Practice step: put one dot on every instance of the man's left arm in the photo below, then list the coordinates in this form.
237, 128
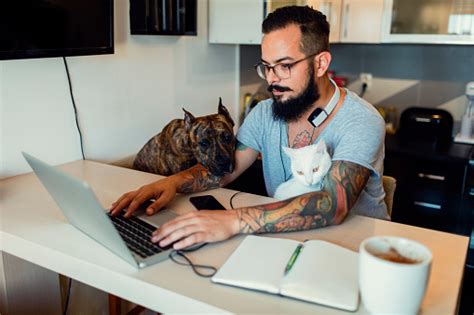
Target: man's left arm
342, 187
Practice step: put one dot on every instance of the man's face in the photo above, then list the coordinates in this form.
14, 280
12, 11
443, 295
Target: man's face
292, 96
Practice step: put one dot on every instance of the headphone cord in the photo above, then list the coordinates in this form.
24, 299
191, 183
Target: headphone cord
188, 262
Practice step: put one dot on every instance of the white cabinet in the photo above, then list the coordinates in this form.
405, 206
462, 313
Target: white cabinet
333, 11
235, 21
429, 21
240, 21
361, 21
352, 21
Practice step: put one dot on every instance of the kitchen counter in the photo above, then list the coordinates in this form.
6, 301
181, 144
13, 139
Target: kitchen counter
453, 152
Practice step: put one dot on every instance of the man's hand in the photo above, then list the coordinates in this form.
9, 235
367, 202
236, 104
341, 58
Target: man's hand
163, 191
198, 227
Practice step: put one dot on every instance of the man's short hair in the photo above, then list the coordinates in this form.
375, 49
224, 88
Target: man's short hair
313, 26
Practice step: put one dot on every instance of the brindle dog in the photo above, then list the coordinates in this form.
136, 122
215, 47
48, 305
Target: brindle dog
182, 143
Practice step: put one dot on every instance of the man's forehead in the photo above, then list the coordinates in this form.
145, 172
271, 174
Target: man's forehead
281, 44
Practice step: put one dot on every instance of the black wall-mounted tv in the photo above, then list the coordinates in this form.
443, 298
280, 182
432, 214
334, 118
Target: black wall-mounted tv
55, 28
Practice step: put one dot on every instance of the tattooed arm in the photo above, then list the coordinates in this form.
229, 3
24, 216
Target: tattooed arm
198, 178
194, 179
342, 187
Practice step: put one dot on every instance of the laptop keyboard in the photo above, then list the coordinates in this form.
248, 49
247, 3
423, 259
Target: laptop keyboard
136, 234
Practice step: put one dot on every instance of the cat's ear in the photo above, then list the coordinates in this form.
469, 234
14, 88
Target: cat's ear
321, 147
288, 151
188, 119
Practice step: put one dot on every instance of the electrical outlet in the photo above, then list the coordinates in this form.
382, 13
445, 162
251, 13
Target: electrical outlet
367, 79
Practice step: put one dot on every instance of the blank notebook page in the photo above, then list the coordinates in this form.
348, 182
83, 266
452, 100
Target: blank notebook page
324, 273
258, 263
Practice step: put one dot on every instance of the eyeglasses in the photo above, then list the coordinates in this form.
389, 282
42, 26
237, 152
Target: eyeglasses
281, 70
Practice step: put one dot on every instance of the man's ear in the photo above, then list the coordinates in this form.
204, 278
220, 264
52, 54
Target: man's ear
188, 120
322, 62
222, 110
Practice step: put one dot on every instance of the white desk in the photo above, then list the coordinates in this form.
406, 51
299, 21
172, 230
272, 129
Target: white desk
34, 229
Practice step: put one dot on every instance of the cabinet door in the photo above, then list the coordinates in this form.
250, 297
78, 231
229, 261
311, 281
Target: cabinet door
429, 193
235, 21
332, 9
240, 21
429, 21
362, 21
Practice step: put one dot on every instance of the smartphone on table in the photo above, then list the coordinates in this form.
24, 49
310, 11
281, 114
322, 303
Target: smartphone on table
206, 202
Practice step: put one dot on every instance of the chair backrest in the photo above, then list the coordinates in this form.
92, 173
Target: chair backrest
389, 185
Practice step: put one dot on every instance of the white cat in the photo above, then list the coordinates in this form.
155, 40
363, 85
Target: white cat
309, 165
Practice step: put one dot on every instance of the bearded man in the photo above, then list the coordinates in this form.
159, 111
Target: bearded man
306, 106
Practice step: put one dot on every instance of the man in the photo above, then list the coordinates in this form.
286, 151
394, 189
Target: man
295, 60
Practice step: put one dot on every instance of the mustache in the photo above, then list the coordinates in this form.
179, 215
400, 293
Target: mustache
278, 88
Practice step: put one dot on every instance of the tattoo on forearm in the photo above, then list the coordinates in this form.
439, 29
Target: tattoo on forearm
342, 187
198, 178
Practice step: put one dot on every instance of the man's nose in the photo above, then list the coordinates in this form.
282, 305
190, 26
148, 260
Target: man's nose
272, 77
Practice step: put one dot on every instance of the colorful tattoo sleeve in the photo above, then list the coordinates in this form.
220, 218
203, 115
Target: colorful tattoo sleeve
342, 187
198, 178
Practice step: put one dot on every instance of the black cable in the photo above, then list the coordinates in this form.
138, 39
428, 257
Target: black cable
364, 89
188, 262
66, 304
75, 109
232, 198
194, 266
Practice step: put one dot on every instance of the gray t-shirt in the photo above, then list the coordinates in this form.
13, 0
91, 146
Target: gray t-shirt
355, 134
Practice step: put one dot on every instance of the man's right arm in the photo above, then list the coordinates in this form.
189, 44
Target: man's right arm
195, 179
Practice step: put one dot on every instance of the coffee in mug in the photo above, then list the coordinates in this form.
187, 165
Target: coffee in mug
393, 274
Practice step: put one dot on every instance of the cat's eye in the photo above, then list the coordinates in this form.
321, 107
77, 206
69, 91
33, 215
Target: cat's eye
315, 169
299, 172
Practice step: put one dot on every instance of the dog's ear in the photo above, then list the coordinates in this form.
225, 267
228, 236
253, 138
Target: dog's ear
223, 111
188, 119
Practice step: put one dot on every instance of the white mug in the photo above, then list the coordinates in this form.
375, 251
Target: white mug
389, 287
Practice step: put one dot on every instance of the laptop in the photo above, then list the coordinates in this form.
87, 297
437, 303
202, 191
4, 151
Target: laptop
127, 238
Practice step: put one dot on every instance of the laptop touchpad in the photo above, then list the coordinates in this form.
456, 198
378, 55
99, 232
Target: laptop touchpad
162, 216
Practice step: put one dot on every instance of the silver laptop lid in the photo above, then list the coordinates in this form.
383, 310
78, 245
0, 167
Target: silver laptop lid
80, 206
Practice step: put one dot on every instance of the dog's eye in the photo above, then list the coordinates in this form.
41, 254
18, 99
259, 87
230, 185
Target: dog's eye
204, 143
226, 138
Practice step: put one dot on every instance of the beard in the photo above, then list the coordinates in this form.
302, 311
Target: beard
293, 108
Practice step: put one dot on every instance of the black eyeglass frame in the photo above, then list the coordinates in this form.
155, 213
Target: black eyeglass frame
261, 73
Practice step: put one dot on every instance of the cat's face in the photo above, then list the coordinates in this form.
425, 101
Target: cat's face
309, 164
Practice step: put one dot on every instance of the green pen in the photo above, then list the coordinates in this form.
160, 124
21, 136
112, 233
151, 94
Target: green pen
293, 257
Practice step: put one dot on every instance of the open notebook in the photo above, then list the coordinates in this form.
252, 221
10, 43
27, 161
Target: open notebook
322, 273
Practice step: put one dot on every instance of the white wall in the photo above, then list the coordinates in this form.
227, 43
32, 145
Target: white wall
122, 99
